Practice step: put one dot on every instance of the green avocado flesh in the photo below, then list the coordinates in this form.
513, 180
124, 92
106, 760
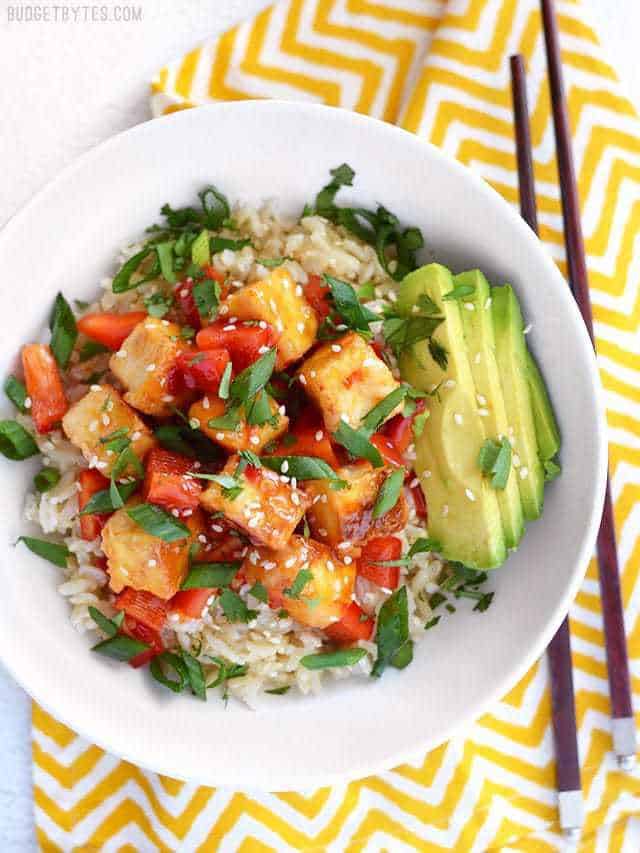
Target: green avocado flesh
547, 431
477, 321
464, 513
512, 360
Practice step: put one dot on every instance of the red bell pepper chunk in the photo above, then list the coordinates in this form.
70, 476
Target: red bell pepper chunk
317, 293
90, 482
203, 370
44, 386
419, 501
191, 602
353, 626
387, 449
144, 607
399, 429
242, 341
311, 439
110, 330
139, 631
165, 482
376, 551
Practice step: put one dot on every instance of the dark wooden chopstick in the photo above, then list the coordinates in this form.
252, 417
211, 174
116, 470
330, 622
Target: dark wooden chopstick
563, 712
623, 723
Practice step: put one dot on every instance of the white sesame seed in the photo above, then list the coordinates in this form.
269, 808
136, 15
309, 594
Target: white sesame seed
319, 435
300, 327
285, 466
224, 309
262, 324
450, 383
289, 563
254, 439
295, 499
478, 358
194, 423
168, 398
312, 374
217, 528
527, 329
164, 322
488, 302
322, 531
254, 557
458, 418
426, 474
175, 513
481, 399
414, 483
219, 436
282, 411
268, 565
122, 353
202, 538
152, 563
184, 292
205, 403
445, 510
298, 290
294, 483
516, 460
344, 417
253, 522
369, 362
150, 367
93, 426
106, 420
27, 402
524, 472
470, 494
303, 379
484, 413
469, 306
263, 349
95, 388
336, 347
347, 560
101, 465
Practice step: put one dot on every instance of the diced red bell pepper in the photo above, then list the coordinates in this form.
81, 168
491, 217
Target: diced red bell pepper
400, 429
110, 330
139, 631
165, 482
376, 551
203, 370
190, 602
44, 386
317, 293
419, 502
147, 609
242, 340
311, 439
90, 482
387, 449
353, 626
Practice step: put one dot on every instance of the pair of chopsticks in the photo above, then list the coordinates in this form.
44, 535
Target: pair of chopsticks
570, 802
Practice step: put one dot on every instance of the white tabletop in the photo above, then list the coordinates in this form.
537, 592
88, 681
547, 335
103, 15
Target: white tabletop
67, 87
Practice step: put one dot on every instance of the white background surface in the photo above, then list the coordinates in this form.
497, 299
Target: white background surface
65, 88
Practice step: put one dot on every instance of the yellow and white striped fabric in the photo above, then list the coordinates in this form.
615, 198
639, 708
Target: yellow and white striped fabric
441, 70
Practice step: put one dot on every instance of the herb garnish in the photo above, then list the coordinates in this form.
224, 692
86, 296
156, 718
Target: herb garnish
303, 577
327, 660
51, 551
357, 442
120, 647
64, 331
209, 575
234, 608
109, 626
376, 416
91, 349
16, 392
353, 314
253, 378
15, 442
392, 632
157, 522
303, 468
389, 493
460, 291
46, 479
206, 295
495, 458
551, 470
158, 304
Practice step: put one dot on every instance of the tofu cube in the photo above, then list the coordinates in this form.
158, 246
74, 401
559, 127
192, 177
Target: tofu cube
346, 379
99, 414
280, 302
244, 436
266, 509
144, 363
137, 559
322, 599
345, 515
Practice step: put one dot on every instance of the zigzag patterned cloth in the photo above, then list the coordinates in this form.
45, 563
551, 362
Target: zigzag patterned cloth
441, 70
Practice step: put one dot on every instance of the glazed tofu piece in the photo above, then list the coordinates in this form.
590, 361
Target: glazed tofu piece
346, 379
266, 509
345, 515
137, 559
280, 302
244, 436
328, 588
99, 414
143, 365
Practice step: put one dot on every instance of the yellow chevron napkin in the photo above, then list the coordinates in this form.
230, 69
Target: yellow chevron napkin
441, 70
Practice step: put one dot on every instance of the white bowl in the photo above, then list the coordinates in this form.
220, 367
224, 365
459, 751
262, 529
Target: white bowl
66, 239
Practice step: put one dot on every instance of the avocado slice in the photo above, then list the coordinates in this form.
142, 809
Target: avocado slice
464, 516
547, 431
511, 356
477, 321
